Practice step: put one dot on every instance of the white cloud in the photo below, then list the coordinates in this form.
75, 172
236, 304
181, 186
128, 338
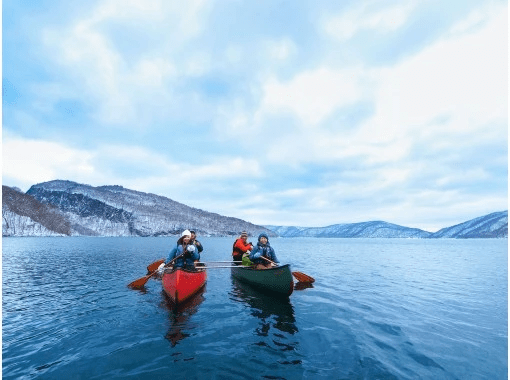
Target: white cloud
279, 49
153, 72
312, 95
123, 88
476, 18
127, 9
451, 92
234, 54
29, 161
197, 64
366, 16
459, 77
95, 67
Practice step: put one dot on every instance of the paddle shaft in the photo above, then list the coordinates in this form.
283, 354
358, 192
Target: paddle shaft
175, 258
272, 262
143, 280
301, 277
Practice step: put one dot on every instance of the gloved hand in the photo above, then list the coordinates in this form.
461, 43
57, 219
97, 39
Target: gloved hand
191, 248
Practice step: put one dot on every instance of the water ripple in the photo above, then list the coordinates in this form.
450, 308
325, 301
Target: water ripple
380, 308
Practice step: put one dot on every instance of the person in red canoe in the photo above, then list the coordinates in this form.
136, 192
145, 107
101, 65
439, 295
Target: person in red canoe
241, 247
195, 242
263, 249
188, 251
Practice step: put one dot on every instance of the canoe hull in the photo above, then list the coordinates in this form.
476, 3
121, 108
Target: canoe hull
276, 281
181, 284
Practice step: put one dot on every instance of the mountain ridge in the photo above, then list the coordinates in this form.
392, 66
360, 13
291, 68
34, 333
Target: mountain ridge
112, 210
352, 230
493, 225
117, 211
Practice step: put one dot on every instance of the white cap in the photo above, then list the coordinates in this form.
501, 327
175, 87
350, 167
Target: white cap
186, 233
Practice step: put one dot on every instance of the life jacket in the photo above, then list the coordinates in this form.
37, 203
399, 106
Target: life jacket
236, 251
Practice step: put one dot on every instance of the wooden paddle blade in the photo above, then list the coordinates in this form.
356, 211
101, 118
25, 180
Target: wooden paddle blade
140, 282
301, 277
152, 267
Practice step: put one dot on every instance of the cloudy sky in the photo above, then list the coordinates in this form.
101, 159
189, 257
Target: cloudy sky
277, 112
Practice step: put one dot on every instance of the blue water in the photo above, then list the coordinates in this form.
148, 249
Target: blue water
379, 309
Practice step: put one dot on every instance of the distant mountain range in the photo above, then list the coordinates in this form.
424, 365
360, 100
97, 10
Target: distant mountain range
494, 225
352, 230
65, 208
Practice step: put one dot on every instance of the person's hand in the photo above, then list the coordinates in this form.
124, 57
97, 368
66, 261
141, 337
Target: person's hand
190, 248
161, 266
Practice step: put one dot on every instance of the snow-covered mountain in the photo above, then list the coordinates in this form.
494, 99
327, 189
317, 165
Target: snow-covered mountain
23, 215
376, 229
68, 208
494, 225
116, 211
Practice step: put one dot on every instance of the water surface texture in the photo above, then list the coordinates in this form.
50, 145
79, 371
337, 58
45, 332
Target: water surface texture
379, 309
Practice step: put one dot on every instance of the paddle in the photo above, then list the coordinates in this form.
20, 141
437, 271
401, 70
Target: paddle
155, 265
142, 281
301, 277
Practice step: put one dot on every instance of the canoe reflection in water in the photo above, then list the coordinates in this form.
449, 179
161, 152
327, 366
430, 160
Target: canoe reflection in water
180, 326
268, 309
302, 285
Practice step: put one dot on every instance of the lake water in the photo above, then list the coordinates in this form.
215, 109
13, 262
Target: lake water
379, 309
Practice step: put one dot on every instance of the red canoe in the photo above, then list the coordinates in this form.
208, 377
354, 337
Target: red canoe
180, 284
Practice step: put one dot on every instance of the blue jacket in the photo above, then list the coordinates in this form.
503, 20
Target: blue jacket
188, 259
263, 250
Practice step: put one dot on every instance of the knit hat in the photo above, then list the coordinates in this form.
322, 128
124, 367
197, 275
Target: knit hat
263, 234
186, 233
244, 233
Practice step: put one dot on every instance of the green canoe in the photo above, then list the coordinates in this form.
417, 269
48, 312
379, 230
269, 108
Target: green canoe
277, 281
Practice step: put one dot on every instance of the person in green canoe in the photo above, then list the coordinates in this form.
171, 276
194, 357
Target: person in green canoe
263, 255
241, 249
